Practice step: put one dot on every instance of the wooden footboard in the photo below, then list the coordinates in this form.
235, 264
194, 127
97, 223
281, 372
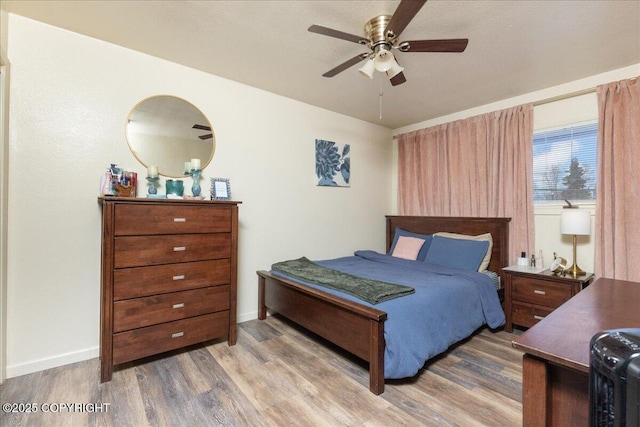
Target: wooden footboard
357, 328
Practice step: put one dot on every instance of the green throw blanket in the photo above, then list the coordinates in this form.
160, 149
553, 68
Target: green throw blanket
369, 290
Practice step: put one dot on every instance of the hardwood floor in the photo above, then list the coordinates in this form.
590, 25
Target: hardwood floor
277, 374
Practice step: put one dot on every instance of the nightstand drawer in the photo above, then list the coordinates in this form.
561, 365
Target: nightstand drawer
528, 315
540, 292
531, 294
141, 312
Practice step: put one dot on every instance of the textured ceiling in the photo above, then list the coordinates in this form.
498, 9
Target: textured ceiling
515, 47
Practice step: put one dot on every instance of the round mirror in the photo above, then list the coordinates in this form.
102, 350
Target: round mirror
166, 132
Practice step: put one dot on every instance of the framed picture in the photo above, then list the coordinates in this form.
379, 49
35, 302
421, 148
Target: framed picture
220, 189
333, 164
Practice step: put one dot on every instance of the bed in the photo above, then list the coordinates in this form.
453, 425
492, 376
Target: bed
358, 327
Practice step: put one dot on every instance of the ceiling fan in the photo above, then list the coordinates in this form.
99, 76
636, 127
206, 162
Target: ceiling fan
203, 127
382, 34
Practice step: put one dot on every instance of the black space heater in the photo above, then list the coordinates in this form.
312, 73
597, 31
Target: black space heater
614, 379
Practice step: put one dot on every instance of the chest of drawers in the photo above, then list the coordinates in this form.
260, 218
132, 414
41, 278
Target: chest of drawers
169, 271
530, 297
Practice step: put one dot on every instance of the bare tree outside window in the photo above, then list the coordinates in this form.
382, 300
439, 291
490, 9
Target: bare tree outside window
551, 182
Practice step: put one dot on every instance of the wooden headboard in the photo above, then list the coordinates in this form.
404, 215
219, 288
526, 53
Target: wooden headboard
498, 227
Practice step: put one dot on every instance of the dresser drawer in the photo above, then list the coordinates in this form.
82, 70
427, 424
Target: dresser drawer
541, 292
138, 251
528, 315
143, 342
147, 311
159, 279
145, 219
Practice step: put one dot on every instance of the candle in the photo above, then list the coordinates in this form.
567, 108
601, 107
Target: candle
195, 164
152, 171
187, 166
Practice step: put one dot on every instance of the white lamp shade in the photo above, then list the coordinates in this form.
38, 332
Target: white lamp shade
384, 60
394, 70
368, 68
575, 221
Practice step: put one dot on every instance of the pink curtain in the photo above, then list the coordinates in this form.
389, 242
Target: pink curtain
617, 248
477, 167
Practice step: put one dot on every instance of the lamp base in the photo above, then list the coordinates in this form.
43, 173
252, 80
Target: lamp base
575, 271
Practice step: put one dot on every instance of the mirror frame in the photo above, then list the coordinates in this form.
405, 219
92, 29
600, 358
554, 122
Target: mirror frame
168, 118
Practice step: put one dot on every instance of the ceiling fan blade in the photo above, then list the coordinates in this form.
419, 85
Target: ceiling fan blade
205, 137
201, 127
347, 64
446, 45
398, 79
405, 12
337, 34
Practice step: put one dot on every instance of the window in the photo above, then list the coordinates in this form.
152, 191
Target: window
564, 163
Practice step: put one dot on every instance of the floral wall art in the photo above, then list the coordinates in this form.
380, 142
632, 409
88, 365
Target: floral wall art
333, 164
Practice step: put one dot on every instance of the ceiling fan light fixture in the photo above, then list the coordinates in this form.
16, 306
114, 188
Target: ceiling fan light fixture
384, 60
394, 70
368, 68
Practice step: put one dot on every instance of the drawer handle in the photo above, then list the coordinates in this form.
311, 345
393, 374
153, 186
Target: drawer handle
179, 248
539, 292
535, 316
177, 335
181, 305
180, 277
179, 219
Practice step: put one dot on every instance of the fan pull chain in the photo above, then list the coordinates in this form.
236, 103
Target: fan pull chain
380, 93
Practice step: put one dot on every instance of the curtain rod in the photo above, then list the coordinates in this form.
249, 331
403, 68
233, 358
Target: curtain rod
564, 96
569, 95
560, 97
555, 98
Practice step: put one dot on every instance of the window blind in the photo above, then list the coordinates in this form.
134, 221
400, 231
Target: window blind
564, 163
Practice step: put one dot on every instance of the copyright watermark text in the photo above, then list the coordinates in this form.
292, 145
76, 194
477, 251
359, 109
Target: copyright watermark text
56, 407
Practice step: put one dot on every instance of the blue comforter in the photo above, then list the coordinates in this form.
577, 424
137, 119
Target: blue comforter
448, 306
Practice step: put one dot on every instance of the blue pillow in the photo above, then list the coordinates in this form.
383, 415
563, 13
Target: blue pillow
423, 250
457, 253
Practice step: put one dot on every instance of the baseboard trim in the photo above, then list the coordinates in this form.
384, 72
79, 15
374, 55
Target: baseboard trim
77, 356
51, 362
248, 316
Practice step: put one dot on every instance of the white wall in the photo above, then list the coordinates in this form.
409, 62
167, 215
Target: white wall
4, 161
70, 97
572, 110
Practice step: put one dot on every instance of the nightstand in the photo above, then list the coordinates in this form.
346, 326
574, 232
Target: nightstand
531, 294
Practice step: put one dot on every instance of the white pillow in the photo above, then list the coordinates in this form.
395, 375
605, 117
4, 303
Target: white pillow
407, 247
482, 237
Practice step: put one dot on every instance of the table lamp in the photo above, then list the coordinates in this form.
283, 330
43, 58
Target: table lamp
575, 222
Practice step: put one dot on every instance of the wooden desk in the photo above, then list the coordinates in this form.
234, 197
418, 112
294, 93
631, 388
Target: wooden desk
555, 366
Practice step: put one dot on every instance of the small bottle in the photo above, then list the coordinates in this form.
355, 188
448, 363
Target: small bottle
103, 180
540, 259
105, 183
533, 260
523, 261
